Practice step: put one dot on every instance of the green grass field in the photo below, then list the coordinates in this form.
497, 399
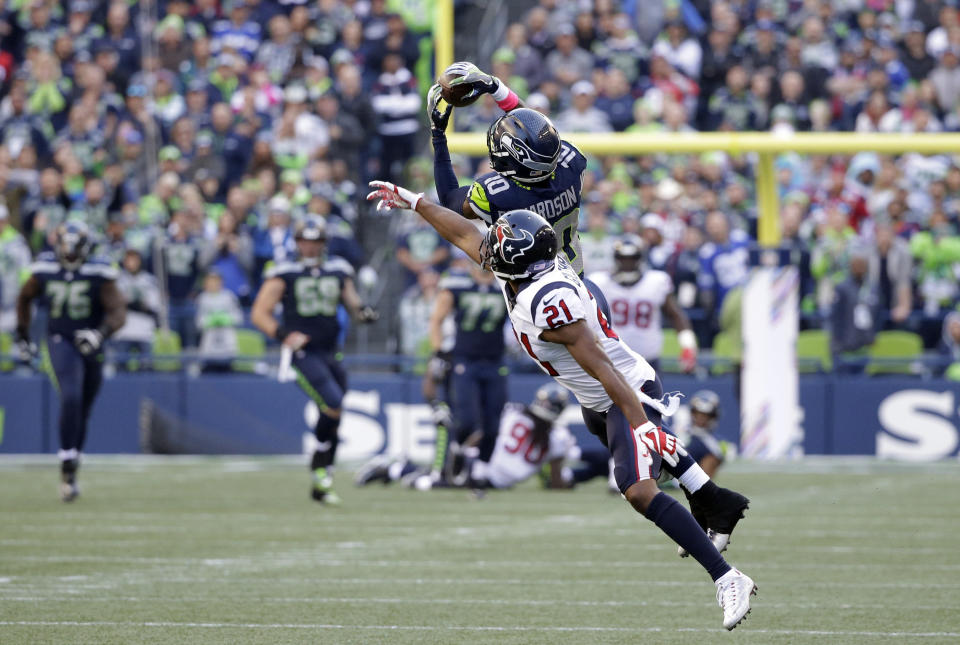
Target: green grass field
232, 551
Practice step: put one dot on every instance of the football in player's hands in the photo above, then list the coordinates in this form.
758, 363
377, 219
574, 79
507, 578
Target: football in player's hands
463, 83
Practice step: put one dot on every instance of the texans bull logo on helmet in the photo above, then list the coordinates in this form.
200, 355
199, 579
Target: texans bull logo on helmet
512, 247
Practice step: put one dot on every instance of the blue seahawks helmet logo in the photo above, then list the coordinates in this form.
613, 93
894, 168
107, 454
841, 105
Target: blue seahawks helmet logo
512, 248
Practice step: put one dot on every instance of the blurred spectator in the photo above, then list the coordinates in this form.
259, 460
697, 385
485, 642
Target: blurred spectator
396, 100
891, 268
616, 101
181, 254
421, 248
230, 255
680, 49
413, 313
274, 241
937, 252
950, 342
142, 295
14, 260
238, 33
218, 316
723, 260
582, 115
568, 63
855, 310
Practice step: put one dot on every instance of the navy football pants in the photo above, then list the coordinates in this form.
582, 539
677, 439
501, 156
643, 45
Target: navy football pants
479, 394
77, 378
632, 461
322, 377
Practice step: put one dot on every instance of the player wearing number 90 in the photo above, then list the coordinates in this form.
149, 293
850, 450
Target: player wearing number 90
85, 307
559, 324
310, 290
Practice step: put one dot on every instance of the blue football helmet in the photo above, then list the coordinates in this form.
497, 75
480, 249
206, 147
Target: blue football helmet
73, 244
523, 145
313, 228
706, 402
518, 245
549, 402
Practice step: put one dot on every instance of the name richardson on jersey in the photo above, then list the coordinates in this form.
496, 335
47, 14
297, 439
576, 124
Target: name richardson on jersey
559, 206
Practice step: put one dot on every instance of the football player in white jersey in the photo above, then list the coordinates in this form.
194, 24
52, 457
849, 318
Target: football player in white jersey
637, 298
529, 437
558, 323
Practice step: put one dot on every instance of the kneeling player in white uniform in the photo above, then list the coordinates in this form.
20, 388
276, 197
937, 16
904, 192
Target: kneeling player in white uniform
529, 437
557, 321
637, 298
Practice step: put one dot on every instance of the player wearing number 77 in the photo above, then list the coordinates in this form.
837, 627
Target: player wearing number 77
559, 324
311, 289
84, 308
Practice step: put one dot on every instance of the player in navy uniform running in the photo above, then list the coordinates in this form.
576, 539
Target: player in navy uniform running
533, 168
479, 377
84, 308
559, 324
310, 290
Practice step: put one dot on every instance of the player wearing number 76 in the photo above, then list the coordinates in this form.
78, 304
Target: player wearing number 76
558, 323
311, 289
84, 308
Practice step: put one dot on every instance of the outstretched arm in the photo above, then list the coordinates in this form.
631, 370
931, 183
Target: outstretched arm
448, 224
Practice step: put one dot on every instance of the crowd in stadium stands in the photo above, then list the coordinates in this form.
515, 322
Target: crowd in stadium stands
196, 138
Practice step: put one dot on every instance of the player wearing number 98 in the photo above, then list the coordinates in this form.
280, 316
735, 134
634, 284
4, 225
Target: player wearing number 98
84, 308
311, 289
479, 377
559, 324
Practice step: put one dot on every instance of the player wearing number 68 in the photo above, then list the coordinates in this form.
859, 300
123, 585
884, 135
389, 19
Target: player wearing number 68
558, 323
311, 289
84, 307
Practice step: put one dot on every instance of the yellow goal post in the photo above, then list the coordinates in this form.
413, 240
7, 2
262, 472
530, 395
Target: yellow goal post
766, 146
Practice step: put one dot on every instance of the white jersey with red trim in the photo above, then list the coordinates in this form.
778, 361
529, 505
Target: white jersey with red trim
556, 298
516, 456
635, 310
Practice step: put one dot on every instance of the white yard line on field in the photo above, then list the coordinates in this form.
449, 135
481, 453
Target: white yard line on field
463, 628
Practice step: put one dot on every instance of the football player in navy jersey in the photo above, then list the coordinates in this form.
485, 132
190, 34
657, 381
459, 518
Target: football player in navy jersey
533, 168
479, 377
84, 308
310, 290
558, 322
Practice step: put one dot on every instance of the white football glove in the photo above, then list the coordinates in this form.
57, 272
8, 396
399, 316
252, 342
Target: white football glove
393, 196
658, 441
88, 341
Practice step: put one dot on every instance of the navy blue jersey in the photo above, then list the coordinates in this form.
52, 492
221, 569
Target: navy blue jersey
72, 298
479, 312
311, 298
556, 199
702, 443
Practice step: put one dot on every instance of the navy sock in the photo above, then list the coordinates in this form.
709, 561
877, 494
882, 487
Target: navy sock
674, 520
326, 433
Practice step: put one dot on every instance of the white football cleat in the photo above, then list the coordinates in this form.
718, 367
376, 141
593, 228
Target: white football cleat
733, 593
720, 541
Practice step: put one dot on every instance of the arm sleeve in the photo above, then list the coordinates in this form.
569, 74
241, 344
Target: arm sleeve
443, 175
